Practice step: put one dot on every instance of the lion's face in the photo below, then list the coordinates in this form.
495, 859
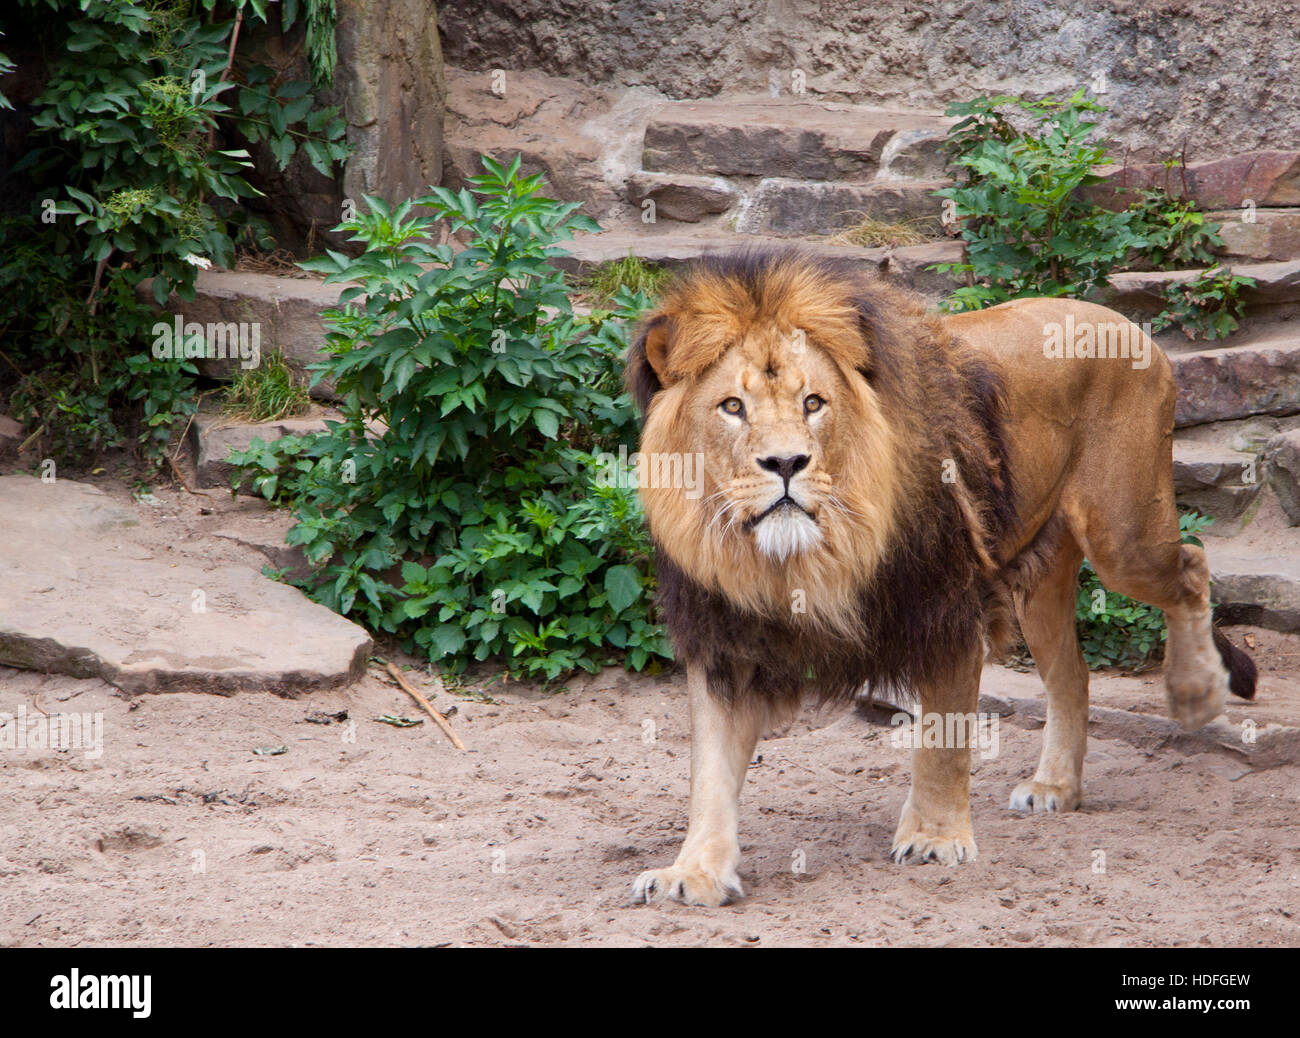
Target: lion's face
769, 436
766, 383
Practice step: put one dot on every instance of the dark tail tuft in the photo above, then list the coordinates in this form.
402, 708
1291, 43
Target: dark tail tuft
1241, 668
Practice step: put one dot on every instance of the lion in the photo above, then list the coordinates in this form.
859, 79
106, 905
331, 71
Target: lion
884, 489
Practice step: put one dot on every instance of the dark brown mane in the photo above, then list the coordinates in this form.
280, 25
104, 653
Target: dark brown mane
942, 586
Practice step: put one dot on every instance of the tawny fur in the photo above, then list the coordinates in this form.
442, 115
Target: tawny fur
883, 441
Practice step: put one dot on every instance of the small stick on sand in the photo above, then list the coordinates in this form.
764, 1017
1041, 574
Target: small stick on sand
180, 476
410, 690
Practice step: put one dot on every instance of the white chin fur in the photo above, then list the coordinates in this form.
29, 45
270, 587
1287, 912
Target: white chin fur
787, 532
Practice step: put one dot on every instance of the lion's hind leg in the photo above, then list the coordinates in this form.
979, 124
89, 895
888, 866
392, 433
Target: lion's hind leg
1200, 666
1046, 613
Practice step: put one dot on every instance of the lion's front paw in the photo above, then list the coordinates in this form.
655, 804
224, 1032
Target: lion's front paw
690, 884
916, 841
1044, 796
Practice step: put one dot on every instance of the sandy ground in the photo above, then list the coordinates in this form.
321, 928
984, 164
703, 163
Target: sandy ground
366, 834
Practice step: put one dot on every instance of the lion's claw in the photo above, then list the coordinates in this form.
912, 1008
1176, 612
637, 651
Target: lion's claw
691, 885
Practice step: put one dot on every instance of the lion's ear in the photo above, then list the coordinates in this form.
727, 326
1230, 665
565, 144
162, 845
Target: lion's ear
655, 338
647, 362
871, 331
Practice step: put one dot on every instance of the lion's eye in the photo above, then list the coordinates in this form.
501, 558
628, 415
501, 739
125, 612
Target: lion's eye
812, 404
733, 406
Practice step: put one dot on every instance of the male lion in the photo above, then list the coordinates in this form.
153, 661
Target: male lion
880, 486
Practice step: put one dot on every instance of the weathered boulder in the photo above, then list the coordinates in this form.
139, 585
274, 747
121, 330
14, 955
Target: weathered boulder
680, 196
281, 315
801, 207
1268, 178
1282, 469
789, 137
88, 593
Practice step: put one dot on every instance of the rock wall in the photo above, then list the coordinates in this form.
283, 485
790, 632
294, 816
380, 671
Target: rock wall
1219, 76
389, 83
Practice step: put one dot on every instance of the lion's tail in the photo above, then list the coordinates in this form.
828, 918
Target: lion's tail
1241, 668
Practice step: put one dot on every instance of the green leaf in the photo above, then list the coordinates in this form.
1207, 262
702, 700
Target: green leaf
622, 586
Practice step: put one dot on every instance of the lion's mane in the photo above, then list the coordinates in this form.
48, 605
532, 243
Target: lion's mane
938, 583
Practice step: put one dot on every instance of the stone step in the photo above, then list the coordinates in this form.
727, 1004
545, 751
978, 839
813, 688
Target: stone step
1225, 469
1142, 291
1266, 178
1215, 479
213, 436
783, 206
280, 314
1255, 372
675, 250
681, 196
1257, 580
794, 137
92, 591
1261, 235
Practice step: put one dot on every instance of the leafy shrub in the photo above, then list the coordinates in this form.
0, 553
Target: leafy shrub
139, 96
1116, 631
1177, 234
459, 506
82, 379
131, 179
1027, 232
1208, 306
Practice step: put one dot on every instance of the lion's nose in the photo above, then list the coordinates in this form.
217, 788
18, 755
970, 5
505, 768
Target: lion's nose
786, 467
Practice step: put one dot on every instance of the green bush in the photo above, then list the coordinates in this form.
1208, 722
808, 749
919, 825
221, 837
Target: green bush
1208, 306
460, 505
139, 95
1029, 232
133, 176
82, 379
1176, 233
